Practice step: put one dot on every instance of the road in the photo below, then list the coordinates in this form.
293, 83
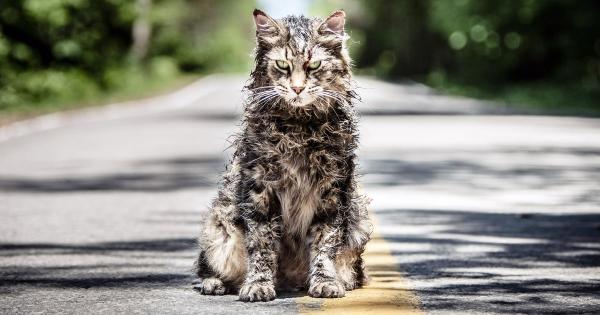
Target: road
476, 212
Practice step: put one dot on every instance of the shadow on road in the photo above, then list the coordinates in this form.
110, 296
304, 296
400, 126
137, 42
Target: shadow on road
160, 245
491, 262
153, 175
127, 264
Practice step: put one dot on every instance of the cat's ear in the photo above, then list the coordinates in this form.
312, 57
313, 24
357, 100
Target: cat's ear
334, 24
265, 25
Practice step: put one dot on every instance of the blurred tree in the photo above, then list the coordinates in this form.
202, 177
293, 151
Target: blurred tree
60, 47
520, 40
397, 38
207, 35
142, 29
73, 49
483, 41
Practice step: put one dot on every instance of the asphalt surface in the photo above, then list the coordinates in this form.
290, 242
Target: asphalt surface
484, 213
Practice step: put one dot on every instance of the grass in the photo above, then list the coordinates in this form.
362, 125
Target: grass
546, 98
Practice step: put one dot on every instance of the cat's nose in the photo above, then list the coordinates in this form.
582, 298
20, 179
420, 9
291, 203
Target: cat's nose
297, 89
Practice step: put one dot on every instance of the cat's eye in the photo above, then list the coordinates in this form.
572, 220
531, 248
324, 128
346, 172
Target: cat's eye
314, 65
282, 64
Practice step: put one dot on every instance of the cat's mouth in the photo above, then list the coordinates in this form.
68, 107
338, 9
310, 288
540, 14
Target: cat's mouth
297, 101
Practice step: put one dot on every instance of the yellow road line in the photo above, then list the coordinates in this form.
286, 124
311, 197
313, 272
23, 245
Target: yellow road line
387, 292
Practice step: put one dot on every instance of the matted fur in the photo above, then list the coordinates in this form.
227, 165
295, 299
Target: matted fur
288, 214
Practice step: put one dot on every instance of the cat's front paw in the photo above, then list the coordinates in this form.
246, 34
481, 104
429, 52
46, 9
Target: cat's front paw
327, 289
210, 286
257, 291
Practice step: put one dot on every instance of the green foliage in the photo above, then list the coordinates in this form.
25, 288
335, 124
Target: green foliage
397, 40
484, 41
520, 40
489, 40
487, 45
208, 35
76, 50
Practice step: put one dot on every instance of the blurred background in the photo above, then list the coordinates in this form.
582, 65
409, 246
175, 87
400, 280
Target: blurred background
538, 55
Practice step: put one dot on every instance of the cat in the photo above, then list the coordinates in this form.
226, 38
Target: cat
288, 214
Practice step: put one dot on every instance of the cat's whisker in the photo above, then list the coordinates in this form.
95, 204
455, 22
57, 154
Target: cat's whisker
269, 93
336, 93
259, 96
266, 101
339, 97
333, 97
263, 87
263, 91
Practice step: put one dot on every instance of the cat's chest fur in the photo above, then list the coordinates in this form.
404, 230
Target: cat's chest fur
298, 195
304, 162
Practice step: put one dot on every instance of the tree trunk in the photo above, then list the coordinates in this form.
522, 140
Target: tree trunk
142, 30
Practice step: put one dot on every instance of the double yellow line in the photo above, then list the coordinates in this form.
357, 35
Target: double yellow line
386, 293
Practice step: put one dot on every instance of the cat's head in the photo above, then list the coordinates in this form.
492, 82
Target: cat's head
302, 61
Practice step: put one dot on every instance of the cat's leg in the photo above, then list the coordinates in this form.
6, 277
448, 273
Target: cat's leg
261, 215
324, 281
211, 286
221, 264
207, 282
349, 263
339, 235
351, 269
345, 266
262, 244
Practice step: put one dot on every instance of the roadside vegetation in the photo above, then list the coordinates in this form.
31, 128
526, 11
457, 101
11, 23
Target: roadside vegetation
538, 55
60, 54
